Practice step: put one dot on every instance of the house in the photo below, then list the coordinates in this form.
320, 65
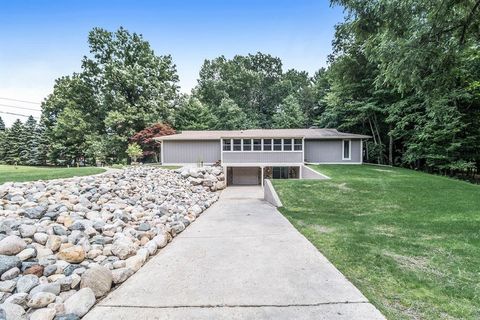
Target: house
249, 155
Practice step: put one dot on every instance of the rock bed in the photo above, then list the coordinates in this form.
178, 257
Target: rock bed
66, 243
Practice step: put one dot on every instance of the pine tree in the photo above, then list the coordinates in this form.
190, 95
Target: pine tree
40, 153
2, 140
14, 143
30, 142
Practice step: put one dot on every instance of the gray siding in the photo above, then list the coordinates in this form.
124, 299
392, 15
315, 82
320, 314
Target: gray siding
185, 152
330, 151
262, 157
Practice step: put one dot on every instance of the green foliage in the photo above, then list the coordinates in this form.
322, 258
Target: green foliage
192, 114
230, 116
289, 114
123, 87
134, 151
405, 72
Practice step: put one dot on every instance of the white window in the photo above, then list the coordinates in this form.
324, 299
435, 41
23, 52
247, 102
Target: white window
247, 144
277, 144
298, 145
267, 144
346, 150
257, 144
287, 144
237, 144
227, 145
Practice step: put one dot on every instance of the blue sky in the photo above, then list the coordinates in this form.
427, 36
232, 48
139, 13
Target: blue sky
43, 40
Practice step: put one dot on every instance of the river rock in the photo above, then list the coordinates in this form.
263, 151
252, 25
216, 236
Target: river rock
27, 283
43, 314
40, 300
80, 302
13, 311
97, 278
75, 254
9, 262
12, 245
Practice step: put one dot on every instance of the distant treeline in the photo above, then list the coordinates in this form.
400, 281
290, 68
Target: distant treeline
406, 73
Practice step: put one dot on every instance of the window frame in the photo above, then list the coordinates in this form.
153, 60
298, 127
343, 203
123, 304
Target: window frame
276, 144
234, 144
257, 145
297, 144
271, 144
230, 144
349, 149
250, 145
291, 144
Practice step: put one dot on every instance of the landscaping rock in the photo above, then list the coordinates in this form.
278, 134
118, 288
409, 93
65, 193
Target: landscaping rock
80, 302
97, 278
12, 245
12, 312
89, 233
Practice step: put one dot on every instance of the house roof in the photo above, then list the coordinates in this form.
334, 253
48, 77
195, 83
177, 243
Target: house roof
263, 133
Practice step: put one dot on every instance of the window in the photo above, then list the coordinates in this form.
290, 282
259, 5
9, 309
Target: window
247, 144
267, 144
277, 144
346, 150
280, 173
257, 144
287, 144
237, 145
298, 145
227, 145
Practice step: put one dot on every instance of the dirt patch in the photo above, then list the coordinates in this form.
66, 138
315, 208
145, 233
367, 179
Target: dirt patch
383, 170
413, 263
343, 187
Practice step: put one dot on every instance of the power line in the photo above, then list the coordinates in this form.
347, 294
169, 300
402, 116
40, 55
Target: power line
24, 108
19, 100
18, 114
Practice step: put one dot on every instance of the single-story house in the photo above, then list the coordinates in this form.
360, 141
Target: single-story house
247, 156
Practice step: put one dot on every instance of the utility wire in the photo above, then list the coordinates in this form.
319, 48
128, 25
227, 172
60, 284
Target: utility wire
24, 108
1, 98
17, 114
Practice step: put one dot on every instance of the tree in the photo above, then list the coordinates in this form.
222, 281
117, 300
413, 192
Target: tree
2, 124
123, 87
192, 114
14, 141
289, 114
29, 141
230, 116
134, 151
146, 139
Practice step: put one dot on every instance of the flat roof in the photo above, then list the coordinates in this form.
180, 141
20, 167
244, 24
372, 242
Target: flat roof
262, 133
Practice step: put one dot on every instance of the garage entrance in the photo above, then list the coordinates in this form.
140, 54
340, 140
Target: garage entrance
243, 176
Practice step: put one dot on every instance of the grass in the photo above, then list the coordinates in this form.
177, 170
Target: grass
25, 173
408, 240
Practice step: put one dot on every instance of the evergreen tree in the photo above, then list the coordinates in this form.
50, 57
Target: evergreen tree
14, 143
29, 142
40, 153
2, 124
2, 140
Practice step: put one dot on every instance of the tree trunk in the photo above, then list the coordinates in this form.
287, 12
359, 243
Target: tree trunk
390, 147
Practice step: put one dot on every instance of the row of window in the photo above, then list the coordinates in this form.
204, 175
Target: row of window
262, 145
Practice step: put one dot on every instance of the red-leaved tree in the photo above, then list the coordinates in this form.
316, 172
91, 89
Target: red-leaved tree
145, 138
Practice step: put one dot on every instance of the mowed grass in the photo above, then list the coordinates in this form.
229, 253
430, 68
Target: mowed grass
25, 173
409, 241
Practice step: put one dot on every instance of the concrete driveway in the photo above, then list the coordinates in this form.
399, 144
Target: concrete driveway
240, 260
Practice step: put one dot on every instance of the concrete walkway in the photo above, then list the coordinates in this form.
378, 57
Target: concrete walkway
240, 260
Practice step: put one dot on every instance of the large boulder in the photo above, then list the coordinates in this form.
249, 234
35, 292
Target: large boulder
97, 278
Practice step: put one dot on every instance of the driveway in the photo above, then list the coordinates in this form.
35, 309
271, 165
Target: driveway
240, 260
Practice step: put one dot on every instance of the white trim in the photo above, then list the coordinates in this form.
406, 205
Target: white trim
349, 149
317, 172
296, 151
361, 150
265, 164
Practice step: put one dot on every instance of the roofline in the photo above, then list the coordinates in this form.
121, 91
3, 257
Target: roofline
266, 137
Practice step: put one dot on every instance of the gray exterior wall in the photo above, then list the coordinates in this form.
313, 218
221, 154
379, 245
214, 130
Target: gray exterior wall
184, 152
231, 157
330, 151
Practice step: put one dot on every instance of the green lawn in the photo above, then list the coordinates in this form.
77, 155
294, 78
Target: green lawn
408, 240
25, 173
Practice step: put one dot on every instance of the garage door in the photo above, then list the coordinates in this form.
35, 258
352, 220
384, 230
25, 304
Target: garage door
245, 176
